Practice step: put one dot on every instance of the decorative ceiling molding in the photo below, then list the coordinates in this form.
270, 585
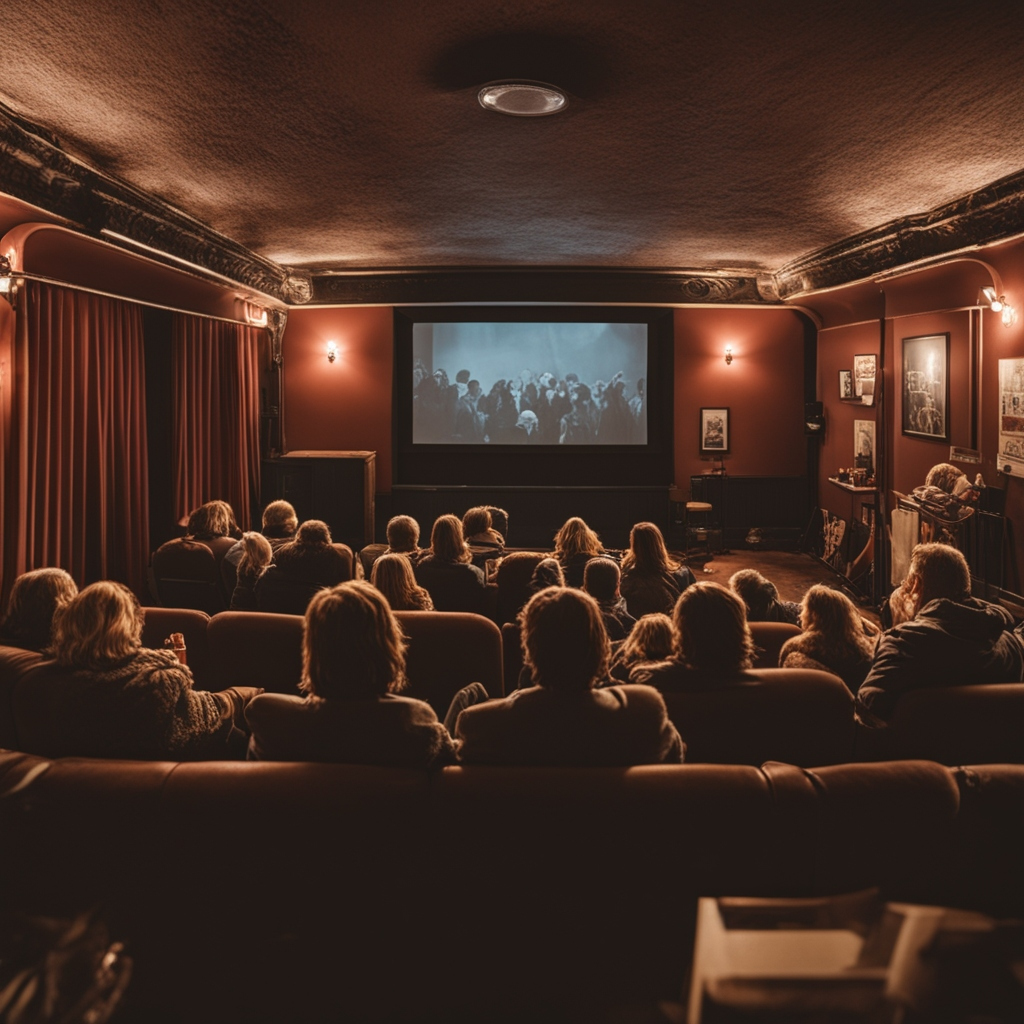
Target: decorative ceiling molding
552, 284
35, 169
987, 215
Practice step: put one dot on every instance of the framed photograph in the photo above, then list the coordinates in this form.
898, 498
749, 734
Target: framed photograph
846, 384
714, 431
926, 386
864, 369
864, 445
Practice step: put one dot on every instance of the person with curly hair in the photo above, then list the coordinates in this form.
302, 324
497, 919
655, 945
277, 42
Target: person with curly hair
651, 640
108, 696
35, 599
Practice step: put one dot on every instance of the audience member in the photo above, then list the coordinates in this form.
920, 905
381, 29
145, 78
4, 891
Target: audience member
651, 580
652, 639
479, 531
499, 520
949, 639
279, 525
111, 697
713, 645
300, 568
257, 551
403, 536
601, 582
213, 524
546, 573
353, 670
835, 638
575, 544
35, 598
392, 575
762, 599
564, 720
447, 572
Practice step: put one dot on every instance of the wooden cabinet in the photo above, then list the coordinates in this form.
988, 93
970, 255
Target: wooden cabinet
337, 487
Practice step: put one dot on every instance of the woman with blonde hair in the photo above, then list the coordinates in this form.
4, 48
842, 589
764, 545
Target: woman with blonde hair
211, 520
109, 696
257, 552
575, 545
713, 644
835, 638
651, 640
35, 599
447, 572
651, 580
392, 575
351, 711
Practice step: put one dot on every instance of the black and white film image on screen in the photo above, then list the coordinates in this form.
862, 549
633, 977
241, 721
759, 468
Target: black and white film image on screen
529, 383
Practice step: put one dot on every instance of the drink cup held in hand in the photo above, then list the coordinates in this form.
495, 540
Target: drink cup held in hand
176, 641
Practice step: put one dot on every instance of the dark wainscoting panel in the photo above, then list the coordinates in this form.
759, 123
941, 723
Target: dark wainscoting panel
778, 505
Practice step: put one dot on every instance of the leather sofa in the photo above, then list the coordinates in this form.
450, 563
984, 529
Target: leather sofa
305, 891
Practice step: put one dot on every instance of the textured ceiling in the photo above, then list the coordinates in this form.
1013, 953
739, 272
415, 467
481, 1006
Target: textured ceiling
704, 135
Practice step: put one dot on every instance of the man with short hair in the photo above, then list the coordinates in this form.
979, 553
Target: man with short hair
403, 533
279, 525
943, 635
601, 581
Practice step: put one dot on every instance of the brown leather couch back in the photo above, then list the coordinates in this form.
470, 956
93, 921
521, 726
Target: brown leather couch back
302, 891
952, 725
14, 663
193, 624
186, 575
769, 638
800, 716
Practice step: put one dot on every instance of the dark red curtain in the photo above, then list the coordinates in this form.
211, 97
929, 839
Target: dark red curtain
216, 415
76, 485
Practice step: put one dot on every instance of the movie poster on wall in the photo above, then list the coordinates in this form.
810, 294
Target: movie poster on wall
1011, 416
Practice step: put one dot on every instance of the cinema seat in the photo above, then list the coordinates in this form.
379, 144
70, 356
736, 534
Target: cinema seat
14, 663
952, 725
511, 654
186, 575
446, 651
800, 716
160, 623
769, 638
255, 649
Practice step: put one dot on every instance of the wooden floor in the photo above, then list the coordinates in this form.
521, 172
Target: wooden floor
792, 572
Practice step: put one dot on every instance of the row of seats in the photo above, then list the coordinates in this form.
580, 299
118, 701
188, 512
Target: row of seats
261, 891
800, 716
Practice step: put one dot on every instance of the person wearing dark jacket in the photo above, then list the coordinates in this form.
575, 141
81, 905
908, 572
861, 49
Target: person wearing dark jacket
950, 638
446, 570
35, 600
651, 580
300, 569
762, 599
601, 582
566, 719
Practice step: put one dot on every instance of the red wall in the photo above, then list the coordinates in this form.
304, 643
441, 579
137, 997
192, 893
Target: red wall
347, 405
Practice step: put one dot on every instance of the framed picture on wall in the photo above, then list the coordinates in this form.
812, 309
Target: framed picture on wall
846, 384
864, 445
926, 386
714, 431
864, 369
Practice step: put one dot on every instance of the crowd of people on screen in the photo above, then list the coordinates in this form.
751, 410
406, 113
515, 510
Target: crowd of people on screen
604, 635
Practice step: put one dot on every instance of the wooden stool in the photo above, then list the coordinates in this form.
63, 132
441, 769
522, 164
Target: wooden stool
697, 528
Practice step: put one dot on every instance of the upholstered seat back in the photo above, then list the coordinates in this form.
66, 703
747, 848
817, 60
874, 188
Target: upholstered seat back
513, 579
160, 623
769, 638
14, 663
186, 575
255, 649
952, 725
800, 716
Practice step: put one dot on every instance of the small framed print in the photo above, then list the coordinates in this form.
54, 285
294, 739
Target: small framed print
926, 386
846, 384
864, 369
714, 431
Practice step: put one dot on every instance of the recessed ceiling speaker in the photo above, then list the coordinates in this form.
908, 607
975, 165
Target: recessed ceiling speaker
522, 99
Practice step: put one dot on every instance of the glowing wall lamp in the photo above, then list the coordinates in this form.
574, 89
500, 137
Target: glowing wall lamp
728, 355
332, 351
998, 304
5, 276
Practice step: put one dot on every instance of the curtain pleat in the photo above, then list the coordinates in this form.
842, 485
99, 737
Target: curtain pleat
216, 415
75, 461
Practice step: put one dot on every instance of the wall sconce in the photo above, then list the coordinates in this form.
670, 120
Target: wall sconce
998, 304
332, 351
5, 276
5, 286
1009, 316
728, 355
256, 315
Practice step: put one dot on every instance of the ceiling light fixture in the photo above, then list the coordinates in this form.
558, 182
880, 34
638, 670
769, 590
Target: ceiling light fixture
522, 99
